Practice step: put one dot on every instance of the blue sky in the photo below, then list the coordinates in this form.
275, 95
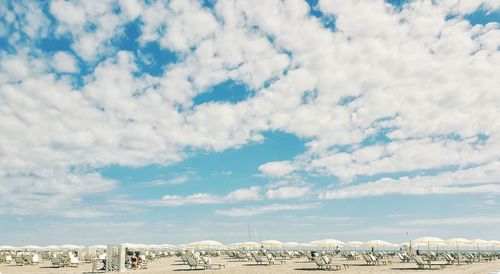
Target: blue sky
176, 121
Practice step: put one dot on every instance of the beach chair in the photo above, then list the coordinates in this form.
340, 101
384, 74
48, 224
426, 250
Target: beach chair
449, 259
73, 261
258, 259
209, 265
422, 264
193, 263
368, 259
19, 261
309, 256
271, 260
35, 259
322, 264
56, 262
8, 259
379, 260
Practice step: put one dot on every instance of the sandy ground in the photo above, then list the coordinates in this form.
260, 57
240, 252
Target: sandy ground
173, 265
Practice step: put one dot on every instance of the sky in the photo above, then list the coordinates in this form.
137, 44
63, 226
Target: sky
231, 120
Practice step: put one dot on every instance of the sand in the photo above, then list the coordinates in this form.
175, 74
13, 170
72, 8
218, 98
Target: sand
173, 265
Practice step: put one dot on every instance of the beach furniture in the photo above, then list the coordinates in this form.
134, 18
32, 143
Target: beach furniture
321, 264
19, 261
403, 257
258, 259
56, 262
423, 264
209, 265
194, 264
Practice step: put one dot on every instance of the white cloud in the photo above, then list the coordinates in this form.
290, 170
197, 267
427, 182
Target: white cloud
481, 179
64, 62
277, 169
258, 210
465, 220
285, 190
243, 194
427, 84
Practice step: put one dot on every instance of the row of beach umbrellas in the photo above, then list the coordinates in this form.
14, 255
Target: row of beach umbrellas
429, 242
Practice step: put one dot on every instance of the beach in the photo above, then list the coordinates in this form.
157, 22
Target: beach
175, 265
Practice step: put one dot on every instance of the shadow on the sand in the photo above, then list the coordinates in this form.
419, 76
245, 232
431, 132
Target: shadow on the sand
309, 269
412, 268
187, 269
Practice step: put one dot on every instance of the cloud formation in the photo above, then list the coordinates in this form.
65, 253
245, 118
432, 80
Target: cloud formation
403, 90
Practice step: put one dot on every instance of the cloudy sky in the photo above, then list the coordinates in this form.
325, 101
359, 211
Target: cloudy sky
175, 121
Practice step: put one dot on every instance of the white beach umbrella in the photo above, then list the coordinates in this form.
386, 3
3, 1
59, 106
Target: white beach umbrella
206, 244
479, 243
7, 247
292, 244
50, 247
429, 242
378, 243
70, 247
457, 242
129, 245
327, 243
494, 243
248, 245
305, 245
271, 243
98, 246
168, 246
354, 244
30, 247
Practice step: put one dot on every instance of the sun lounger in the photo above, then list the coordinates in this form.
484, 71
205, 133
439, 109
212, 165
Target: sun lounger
321, 264
423, 264
19, 261
209, 265
194, 264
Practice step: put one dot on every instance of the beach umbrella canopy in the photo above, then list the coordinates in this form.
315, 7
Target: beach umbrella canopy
327, 243
50, 247
248, 244
429, 242
291, 244
271, 243
98, 246
479, 243
70, 246
7, 247
206, 244
168, 246
378, 243
458, 242
354, 243
30, 247
494, 243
